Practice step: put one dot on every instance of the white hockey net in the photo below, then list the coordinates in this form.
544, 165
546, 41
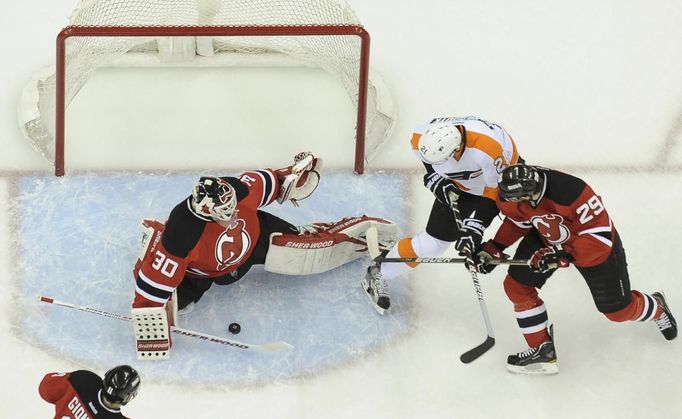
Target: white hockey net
160, 38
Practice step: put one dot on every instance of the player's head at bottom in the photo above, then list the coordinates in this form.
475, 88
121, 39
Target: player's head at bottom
120, 385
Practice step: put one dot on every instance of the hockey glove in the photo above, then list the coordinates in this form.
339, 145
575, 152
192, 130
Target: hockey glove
444, 190
489, 251
467, 246
549, 258
300, 180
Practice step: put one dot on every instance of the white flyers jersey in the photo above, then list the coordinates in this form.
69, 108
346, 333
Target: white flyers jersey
488, 150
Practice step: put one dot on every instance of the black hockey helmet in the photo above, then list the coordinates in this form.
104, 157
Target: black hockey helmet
519, 182
214, 197
121, 384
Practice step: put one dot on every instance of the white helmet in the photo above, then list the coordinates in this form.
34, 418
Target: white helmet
214, 197
439, 142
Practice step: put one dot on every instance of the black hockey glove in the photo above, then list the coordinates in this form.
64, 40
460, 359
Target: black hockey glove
443, 188
549, 258
489, 251
467, 246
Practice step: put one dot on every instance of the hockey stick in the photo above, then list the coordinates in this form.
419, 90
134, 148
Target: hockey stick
476, 352
371, 235
266, 347
382, 259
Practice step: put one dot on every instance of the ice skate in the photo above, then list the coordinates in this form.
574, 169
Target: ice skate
376, 289
666, 323
540, 360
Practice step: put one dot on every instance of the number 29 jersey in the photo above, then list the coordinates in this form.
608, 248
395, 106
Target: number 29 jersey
569, 214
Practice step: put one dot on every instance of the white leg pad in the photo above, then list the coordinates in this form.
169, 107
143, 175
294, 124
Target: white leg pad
152, 333
325, 246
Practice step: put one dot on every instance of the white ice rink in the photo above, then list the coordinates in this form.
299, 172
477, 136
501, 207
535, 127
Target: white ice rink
590, 87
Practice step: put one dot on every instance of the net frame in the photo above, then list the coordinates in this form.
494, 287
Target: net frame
221, 31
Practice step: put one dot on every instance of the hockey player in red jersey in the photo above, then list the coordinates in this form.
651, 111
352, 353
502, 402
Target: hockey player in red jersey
83, 394
562, 221
219, 232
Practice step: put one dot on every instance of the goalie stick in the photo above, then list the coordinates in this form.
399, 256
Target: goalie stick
266, 347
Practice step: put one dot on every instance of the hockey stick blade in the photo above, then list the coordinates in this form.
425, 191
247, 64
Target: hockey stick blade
475, 353
265, 347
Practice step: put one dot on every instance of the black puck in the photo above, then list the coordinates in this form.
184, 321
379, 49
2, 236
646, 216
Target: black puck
234, 328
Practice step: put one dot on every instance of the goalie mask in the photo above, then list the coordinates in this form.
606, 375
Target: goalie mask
214, 197
520, 182
439, 142
120, 384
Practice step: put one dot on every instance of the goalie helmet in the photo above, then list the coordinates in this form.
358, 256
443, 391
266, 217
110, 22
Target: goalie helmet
121, 384
519, 182
439, 142
215, 198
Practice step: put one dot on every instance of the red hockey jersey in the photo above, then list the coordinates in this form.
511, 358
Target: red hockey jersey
191, 244
76, 395
569, 215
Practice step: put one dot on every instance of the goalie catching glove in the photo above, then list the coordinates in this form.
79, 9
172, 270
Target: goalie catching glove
299, 180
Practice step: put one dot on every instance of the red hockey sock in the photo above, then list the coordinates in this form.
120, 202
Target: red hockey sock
530, 311
642, 308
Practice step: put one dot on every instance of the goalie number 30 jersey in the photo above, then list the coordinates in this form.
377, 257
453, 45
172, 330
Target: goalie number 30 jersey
193, 245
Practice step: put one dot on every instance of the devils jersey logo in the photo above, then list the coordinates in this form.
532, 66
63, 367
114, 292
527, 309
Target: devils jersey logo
232, 245
551, 228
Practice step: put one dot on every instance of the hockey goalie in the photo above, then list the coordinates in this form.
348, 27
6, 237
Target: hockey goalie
215, 235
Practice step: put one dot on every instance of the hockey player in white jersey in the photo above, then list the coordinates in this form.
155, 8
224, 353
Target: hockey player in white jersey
463, 157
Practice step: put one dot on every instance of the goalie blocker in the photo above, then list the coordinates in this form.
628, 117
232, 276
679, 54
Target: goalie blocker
324, 246
152, 330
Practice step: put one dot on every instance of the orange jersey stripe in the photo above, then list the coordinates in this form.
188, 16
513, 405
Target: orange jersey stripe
490, 193
485, 144
405, 250
515, 153
415, 140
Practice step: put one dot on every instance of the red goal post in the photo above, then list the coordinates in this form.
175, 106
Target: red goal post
102, 31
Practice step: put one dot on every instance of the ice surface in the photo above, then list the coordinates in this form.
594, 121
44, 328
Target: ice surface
583, 84
79, 241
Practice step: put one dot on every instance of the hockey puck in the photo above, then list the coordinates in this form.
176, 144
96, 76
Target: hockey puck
234, 328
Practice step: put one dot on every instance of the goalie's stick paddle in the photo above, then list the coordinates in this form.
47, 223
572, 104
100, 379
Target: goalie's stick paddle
265, 347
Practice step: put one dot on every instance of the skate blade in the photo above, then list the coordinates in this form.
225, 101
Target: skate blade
541, 368
378, 308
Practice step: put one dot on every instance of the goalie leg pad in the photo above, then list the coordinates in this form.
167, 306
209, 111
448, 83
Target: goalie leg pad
325, 246
152, 333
